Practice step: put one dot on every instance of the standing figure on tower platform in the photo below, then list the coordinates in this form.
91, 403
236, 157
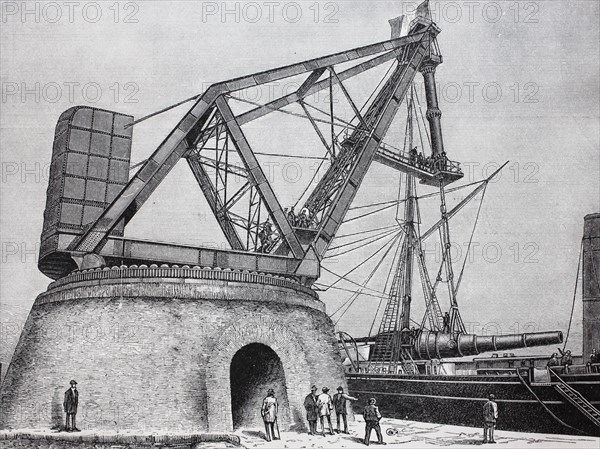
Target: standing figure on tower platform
325, 405
443, 161
291, 216
339, 403
70, 407
269, 414
312, 411
413, 156
265, 236
304, 219
420, 160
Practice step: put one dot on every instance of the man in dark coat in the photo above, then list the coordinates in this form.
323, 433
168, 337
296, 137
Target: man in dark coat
553, 360
310, 404
372, 417
490, 415
594, 360
339, 403
446, 324
566, 359
70, 407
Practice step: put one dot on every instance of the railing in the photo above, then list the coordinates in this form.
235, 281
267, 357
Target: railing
430, 166
590, 368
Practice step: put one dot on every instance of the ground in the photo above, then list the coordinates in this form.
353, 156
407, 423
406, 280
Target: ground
411, 434
403, 434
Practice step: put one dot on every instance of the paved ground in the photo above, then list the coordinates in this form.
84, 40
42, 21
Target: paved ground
412, 434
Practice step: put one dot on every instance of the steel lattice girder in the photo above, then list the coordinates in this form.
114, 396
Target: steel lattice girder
192, 126
343, 181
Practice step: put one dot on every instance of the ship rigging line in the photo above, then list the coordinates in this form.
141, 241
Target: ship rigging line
375, 238
364, 232
344, 277
320, 284
462, 270
574, 294
357, 293
379, 296
366, 281
429, 195
368, 213
387, 281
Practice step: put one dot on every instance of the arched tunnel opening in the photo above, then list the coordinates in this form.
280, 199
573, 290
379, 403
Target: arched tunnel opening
254, 369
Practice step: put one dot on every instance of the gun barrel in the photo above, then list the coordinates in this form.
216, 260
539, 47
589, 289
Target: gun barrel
432, 345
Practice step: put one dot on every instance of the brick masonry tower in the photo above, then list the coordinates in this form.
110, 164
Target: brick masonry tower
171, 349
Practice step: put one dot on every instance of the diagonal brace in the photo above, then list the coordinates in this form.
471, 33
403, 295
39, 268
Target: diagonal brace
258, 178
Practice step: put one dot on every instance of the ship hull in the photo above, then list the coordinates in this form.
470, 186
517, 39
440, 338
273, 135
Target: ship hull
458, 400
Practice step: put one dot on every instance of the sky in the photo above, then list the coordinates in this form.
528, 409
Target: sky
519, 83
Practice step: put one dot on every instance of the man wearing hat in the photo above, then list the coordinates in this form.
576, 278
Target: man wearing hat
312, 411
372, 417
325, 406
70, 406
339, 403
269, 415
490, 415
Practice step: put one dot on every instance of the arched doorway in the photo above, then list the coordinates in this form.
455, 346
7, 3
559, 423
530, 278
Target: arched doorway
254, 369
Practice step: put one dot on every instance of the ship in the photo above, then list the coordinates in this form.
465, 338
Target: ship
420, 369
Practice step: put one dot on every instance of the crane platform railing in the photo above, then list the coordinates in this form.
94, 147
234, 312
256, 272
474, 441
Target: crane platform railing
428, 172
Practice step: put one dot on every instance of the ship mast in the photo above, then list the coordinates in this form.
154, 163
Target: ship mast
409, 225
395, 338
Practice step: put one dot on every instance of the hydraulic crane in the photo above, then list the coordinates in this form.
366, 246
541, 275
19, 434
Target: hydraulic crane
210, 137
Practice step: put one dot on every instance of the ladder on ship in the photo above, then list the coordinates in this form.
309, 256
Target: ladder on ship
408, 364
387, 337
577, 400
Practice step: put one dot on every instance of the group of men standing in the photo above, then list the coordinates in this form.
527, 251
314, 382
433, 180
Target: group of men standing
435, 162
320, 407
268, 235
566, 359
317, 407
